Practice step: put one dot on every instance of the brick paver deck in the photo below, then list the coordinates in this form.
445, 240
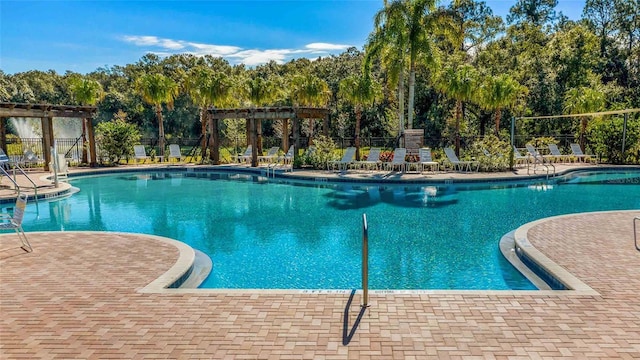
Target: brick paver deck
77, 296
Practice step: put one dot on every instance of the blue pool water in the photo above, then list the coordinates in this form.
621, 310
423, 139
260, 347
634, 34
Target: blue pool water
308, 236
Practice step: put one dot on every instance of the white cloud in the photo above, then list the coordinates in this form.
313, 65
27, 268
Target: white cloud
235, 54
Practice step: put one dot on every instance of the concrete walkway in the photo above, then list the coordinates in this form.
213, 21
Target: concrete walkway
84, 296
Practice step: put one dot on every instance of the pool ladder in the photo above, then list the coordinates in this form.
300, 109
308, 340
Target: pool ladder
635, 232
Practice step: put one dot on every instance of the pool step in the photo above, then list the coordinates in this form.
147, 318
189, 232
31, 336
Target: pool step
202, 266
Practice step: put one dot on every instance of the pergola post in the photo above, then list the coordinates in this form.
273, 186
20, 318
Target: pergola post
3, 134
47, 140
215, 141
93, 160
285, 135
259, 136
254, 141
296, 137
325, 125
84, 141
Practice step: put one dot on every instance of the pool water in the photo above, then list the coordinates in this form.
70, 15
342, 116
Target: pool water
274, 234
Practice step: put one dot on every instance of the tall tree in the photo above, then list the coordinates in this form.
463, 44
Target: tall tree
536, 12
581, 100
359, 90
157, 89
458, 84
309, 90
86, 92
498, 93
207, 88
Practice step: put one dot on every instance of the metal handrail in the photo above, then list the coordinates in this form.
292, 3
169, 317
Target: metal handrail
11, 179
35, 187
365, 262
635, 232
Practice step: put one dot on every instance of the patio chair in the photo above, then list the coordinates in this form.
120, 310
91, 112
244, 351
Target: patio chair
287, 158
556, 154
518, 158
373, 160
14, 222
140, 153
174, 152
425, 160
578, 154
398, 160
343, 163
245, 157
272, 155
535, 155
458, 164
29, 159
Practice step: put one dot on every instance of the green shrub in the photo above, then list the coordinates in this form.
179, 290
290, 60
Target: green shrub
323, 152
498, 159
117, 138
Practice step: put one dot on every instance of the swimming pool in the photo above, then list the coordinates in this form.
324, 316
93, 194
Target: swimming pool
276, 234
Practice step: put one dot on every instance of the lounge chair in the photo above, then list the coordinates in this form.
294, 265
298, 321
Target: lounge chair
343, 164
287, 159
425, 160
8, 221
556, 154
578, 154
518, 158
29, 158
140, 153
458, 164
272, 155
174, 152
245, 157
535, 155
398, 160
373, 160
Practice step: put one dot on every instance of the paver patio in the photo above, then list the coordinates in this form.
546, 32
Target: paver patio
82, 295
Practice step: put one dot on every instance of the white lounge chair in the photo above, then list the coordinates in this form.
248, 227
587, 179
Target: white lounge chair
425, 160
581, 156
287, 159
140, 153
343, 163
9, 222
398, 160
518, 158
245, 157
174, 152
458, 164
272, 155
556, 154
29, 159
373, 160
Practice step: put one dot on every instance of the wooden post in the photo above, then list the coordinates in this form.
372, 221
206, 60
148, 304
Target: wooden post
285, 135
93, 161
215, 140
254, 142
325, 125
296, 138
47, 140
3, 134
259, 136
84, 141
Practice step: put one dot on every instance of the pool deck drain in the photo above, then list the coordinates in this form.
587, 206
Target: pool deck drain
80, 296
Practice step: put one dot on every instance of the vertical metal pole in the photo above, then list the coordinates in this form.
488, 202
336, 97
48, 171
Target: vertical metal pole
624, 133
365, 261
513, 141
54, 153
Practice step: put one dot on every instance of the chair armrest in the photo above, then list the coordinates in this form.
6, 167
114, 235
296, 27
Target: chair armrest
5, 216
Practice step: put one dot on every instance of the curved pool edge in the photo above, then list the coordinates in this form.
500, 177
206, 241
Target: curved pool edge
572, 284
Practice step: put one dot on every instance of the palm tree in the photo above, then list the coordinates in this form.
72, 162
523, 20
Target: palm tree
498, 93
402, 29
458, 84
309, 90
359, 90
208, 88
86, 92
157, 89
583, 100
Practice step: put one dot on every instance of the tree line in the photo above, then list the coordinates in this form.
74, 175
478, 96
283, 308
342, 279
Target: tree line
456, 71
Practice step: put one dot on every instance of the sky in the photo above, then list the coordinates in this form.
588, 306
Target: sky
83, 35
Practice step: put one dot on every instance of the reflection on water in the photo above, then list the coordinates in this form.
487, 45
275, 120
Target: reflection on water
274, 235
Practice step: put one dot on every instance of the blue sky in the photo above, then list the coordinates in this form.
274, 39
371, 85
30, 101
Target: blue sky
82, 36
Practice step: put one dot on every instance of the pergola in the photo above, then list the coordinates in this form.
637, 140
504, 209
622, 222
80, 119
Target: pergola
46, 113
254, 117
